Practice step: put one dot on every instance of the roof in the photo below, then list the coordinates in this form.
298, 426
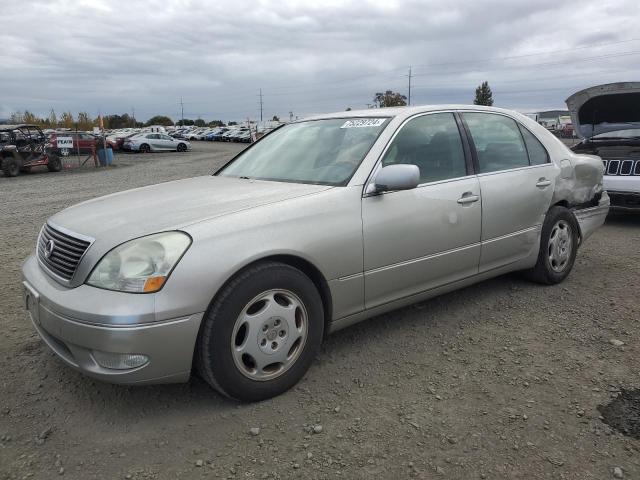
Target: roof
14, 127
403, 111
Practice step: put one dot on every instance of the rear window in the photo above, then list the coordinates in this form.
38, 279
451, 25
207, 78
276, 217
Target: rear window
537, 153
498, 142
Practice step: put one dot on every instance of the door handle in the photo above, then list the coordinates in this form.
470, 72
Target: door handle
543, 182
468, 197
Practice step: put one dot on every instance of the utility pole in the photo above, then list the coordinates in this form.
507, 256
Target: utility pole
290, 116
409, 86
182, 111
133, 115
260, 105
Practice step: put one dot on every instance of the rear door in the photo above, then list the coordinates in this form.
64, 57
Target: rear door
154, 141
516, 181
168, 143
416, 240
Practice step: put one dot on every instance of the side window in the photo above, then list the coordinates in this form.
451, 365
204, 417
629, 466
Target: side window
537, 153
498, 142
153, 136
432, 142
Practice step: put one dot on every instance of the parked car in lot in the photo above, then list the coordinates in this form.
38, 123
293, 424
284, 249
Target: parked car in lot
566, 131
322, 223
196, 134
218, 134
82, 142
155, 142
243, 137
23, 147
607, 118
116, 142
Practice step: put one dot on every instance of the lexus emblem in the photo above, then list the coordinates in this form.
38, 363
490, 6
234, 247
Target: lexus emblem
48, 249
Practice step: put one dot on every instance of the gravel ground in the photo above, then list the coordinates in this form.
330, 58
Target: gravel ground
499, 380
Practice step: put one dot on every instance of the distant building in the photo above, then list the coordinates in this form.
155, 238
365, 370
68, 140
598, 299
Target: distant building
553, 119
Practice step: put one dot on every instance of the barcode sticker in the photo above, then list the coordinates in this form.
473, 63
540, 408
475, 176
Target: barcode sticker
363, 122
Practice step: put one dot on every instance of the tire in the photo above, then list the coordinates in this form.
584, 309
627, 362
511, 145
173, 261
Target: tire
54, 165
10, 167
181, 147
242, 332
25, 170
144, 148
558, 247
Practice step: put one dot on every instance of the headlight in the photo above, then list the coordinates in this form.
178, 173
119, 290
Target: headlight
141, 265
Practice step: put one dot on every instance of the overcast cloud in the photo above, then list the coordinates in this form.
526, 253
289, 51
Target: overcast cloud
113, 55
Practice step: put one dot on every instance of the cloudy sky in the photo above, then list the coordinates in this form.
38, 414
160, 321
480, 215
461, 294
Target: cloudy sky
111, 56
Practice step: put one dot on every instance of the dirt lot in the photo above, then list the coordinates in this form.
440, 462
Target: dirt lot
499, 380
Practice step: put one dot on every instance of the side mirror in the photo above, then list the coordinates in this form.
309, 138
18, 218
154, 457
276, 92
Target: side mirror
397, 177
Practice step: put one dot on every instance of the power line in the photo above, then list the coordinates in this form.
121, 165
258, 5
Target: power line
513, 57
545, 64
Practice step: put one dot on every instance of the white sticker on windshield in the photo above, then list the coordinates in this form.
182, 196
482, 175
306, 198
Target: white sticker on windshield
363, 122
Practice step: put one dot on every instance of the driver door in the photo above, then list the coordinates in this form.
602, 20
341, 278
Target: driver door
419, 239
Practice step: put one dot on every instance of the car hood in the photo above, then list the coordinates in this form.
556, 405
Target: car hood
125, 215
605, 108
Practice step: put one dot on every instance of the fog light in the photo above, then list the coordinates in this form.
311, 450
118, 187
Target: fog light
119, 361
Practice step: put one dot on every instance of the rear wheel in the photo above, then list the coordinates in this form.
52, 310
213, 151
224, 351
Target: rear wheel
144, 148
11, 167
558, 247
262, 332
55, 164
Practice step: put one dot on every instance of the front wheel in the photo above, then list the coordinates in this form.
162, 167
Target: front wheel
54, 164
262, 332
558, 247
182, 147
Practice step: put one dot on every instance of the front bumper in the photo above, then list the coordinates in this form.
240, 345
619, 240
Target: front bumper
624, 191
625, 201
115, 329
592, 218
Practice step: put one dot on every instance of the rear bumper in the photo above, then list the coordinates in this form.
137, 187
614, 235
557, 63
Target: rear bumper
590, 219
75, 339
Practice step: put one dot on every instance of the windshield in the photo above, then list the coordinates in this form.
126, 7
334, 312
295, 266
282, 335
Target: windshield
324, 152
628, 133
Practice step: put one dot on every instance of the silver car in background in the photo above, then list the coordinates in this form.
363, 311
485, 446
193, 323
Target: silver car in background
320, 224
155, 142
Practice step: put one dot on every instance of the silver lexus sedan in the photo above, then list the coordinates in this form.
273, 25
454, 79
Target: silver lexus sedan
320, 224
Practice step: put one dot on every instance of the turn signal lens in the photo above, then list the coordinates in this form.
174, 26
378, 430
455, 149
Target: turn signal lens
153, 284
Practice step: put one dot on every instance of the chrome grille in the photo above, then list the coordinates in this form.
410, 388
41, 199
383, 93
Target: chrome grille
60, 252
621, 166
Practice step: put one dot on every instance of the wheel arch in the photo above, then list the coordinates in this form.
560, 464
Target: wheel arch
300, 263
568, 206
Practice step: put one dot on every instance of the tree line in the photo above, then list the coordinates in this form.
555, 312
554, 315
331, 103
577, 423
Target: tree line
85, 122
389, 98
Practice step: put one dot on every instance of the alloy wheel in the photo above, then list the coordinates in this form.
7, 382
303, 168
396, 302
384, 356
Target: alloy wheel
560, 246
269, 334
